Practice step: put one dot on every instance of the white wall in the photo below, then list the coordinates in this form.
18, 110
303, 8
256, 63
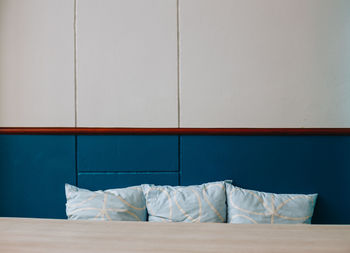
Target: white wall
265, 63
242, 63
36, 63
127, 63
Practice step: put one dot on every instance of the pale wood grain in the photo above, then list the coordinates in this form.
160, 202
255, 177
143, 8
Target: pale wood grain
38, 235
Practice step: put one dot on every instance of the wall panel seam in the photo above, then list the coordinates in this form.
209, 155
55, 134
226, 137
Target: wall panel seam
75, 65
180, 149
76, 160
128, 173
178, 63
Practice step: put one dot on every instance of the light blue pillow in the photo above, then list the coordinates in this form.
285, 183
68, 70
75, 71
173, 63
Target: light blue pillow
197, 203
246, 206
126, 204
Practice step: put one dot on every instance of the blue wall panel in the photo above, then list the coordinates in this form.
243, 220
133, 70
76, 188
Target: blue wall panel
33, 170
128, 153
103, 181
282, 164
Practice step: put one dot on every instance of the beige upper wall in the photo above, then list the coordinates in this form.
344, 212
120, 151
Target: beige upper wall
265, 63
127, 63
243, 63
36, 63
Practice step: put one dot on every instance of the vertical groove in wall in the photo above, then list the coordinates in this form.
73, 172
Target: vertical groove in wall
180, 159
178, 62
75, 65
76, 161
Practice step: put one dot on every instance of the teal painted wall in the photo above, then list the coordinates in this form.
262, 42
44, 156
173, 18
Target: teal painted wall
34, 168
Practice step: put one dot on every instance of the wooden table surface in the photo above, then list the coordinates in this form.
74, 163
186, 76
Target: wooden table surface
39, 235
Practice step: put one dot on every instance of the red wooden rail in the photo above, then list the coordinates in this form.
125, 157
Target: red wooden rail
175, 131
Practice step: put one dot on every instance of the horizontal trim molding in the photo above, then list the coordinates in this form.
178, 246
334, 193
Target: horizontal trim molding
175, 131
